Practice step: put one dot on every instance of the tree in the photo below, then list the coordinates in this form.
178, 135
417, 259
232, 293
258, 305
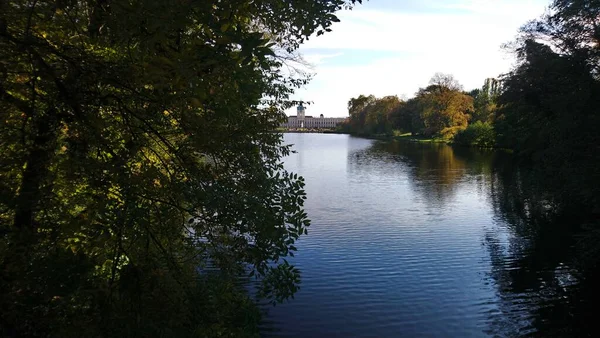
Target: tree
445, 109
136, 149
357, 111
485, 101
549, 114
445, 82
441, 109
379, 119
370, 115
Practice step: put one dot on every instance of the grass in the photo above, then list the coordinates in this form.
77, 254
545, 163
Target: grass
398, 135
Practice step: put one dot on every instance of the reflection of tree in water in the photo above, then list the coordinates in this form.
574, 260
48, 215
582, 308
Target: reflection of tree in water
432, 168
534, 268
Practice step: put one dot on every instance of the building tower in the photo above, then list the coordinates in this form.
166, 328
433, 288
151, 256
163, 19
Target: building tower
301, 113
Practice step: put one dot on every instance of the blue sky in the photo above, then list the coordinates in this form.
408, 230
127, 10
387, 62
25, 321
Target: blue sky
393, 47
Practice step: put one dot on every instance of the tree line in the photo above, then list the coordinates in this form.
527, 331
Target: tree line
440, 110
547, 103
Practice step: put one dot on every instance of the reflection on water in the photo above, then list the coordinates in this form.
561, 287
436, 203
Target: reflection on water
412, 239
541, 292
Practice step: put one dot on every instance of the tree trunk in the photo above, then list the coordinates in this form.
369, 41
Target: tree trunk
35, 172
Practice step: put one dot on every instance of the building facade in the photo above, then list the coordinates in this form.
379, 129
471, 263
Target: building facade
302, 121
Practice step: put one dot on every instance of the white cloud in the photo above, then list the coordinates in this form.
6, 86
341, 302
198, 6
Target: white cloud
464, 38
316, 59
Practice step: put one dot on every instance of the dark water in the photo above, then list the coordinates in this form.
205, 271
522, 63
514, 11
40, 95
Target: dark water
419, 240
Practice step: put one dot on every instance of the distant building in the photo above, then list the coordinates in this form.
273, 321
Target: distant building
302, 121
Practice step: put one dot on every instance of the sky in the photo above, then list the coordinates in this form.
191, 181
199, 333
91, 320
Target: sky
393, 47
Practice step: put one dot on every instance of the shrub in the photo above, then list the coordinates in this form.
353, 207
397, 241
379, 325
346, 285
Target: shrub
479, 134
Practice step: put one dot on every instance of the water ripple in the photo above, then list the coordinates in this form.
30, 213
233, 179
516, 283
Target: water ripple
404, 242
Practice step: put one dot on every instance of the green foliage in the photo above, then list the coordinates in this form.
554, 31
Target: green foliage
370, 115
440, 110
136, 151
478, 134
445, 109
485, 101
407, 118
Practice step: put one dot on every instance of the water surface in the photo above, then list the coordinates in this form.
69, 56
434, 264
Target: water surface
409, 239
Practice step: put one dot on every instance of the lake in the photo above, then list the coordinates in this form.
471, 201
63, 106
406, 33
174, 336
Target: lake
417, 240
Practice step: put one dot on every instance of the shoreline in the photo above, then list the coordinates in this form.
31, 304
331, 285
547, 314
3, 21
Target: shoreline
310, 131
385, 137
